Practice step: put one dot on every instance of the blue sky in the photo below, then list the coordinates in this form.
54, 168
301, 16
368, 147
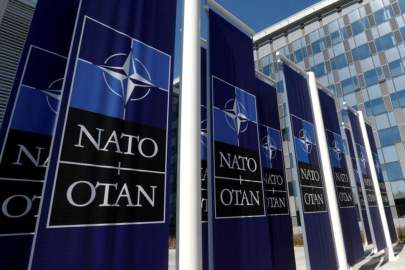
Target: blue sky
258, 14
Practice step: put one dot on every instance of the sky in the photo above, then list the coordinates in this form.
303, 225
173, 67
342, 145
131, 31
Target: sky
258, 14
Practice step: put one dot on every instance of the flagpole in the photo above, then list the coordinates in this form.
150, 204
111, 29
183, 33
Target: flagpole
389, 249
328, 174
189, 247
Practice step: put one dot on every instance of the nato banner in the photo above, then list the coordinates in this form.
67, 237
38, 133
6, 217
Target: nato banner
347, 211
316, 223
276, 194
363, 209
204, 152
240, 231
382, 186
28, 127
104, 203
376, 224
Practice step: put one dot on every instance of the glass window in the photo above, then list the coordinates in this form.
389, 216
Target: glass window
361, 52
398, 99
402, 5
357, 27
390, 155
389, 136
392, 171
375, 107
339, 61
300, 54
319, 70
396, 68
336, 37
318, 46
402, 32
349, 85
385, 42
373, 76
399, 82
382, 121
374, 91
383, 14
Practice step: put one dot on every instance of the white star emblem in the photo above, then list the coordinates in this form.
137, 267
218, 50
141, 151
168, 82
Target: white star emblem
269, 146
363, 159
305, 140
236, 116
132, 76
203, 132
337, 150
53, 94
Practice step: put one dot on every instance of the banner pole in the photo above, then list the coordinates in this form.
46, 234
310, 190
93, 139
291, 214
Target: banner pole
328, 175
189, 247
389, 249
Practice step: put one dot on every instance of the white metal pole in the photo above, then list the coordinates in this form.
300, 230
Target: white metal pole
389, 249
189, 247
328, 174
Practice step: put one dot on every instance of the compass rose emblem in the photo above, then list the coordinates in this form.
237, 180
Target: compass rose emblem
236, 116
270, 148
127, 77
336, 149
305, 141
53, 94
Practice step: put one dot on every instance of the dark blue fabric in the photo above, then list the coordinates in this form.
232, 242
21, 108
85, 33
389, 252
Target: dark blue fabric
50, 32
358, 186
348, 219
365, 171
239, 242
279, 223
134, 246
317, 224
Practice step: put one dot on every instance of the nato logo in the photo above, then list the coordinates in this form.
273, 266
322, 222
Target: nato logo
304, 140
337, 150
203, 133
39, 92
363, 158
121, 77
235, 117
271, 147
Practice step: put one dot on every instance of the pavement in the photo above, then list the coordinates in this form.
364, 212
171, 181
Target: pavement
371, 262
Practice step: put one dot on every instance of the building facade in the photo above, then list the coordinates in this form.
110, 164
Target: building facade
357, 50
15, 20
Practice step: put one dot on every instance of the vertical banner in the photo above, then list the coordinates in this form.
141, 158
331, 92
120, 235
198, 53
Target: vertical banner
204, 153
382, 186
276, 196
239, 224
104, 203
316, 223
347, 211
28, 127
367, 182
363, 209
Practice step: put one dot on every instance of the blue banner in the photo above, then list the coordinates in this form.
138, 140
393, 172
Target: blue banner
105, 198
204, 153
241, 239
28, 127
363, 209
347, 210
367, 181
276, 194
381, 182
316, 223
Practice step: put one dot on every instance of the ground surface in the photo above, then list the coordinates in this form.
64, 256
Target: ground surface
371, 262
